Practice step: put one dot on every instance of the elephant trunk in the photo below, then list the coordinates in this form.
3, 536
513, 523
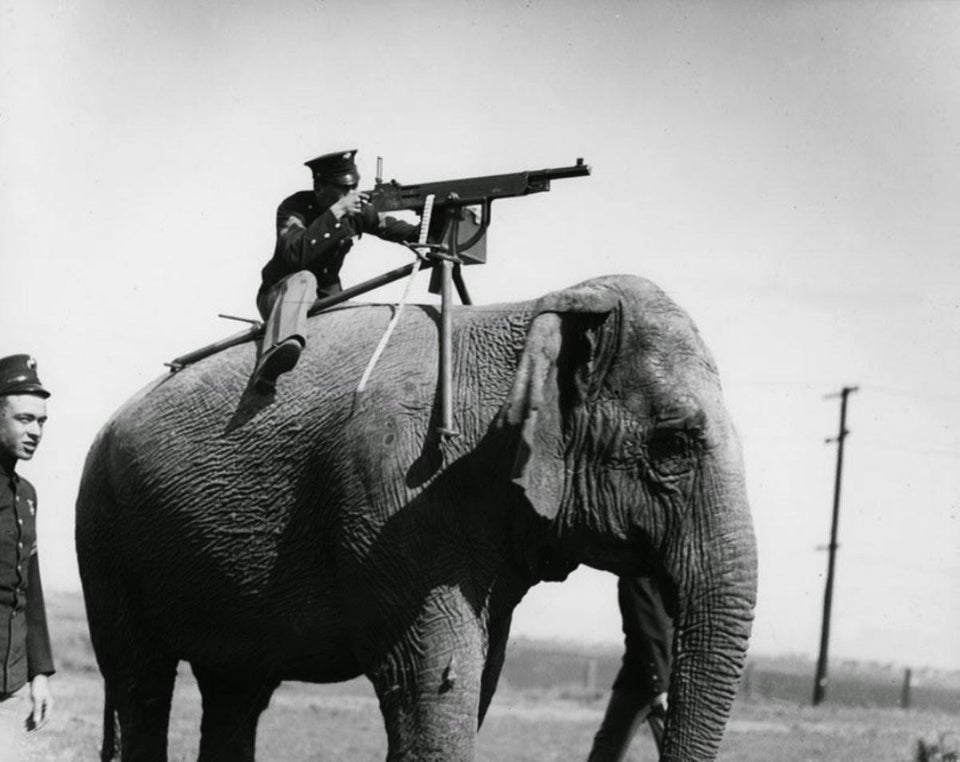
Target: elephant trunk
712, 628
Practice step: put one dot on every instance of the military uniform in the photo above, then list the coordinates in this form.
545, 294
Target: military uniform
311, 245
648, 639
644, 675
24, 639
313, 239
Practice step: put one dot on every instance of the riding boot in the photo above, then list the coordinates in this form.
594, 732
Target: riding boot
280, 358
285, 306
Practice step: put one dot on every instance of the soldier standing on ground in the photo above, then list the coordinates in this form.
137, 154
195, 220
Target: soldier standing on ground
24, 640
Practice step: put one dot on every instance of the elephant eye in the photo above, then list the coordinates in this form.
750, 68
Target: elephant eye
671, 450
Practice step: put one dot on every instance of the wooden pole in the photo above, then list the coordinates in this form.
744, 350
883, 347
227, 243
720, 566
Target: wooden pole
905, 689
820, 681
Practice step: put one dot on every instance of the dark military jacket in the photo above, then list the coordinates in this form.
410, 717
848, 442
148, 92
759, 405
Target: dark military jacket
311, 238
24, 640
648, 637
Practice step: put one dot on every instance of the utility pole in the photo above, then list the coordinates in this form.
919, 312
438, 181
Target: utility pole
820, 681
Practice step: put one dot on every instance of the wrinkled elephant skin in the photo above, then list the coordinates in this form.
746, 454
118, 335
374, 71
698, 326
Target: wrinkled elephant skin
319, 534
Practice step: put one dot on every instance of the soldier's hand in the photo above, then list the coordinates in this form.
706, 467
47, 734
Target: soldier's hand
42, 702
351, 203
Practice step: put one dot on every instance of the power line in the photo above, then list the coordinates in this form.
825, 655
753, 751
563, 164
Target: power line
915, 450
913, 394
904, 565
814, 386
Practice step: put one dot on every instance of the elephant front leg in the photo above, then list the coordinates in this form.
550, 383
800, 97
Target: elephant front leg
429, 690
232, 705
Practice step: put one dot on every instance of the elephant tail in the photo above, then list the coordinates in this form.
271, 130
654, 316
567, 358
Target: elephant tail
110, 749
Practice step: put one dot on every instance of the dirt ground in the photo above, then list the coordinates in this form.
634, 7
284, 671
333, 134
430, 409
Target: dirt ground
340, 723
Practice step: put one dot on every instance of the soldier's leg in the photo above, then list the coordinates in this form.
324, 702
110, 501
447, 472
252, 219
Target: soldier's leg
14, 709
286, 306
626, 712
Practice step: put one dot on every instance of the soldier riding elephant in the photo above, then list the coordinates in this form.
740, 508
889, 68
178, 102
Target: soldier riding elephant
319, 534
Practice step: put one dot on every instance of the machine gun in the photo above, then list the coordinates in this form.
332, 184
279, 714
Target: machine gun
454, 195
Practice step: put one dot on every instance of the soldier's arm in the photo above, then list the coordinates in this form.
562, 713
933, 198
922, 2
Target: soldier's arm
303, 247
392, 229
39, 652
386, 227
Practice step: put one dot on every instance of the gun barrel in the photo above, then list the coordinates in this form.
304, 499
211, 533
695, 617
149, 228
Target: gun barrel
560, 173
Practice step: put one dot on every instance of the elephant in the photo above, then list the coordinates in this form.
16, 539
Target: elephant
318, 534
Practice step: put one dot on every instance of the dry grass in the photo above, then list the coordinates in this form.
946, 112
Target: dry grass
342, 722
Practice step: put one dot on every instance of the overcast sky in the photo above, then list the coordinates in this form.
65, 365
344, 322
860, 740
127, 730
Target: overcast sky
788, 172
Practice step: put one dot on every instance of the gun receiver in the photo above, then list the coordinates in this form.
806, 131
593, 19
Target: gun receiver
470, 191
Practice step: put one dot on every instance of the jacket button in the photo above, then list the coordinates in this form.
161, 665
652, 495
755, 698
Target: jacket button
313, 241
326, 235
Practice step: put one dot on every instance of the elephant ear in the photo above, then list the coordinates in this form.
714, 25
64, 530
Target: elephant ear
558, 366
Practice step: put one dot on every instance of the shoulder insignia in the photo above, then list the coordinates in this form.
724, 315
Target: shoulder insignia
292, 222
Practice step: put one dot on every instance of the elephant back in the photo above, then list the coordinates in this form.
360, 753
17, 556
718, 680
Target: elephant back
213, 429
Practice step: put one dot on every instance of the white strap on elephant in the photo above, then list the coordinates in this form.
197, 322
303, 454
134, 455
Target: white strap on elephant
424, 229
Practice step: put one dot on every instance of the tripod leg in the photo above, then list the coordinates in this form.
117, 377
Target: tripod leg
461, 286
446, 351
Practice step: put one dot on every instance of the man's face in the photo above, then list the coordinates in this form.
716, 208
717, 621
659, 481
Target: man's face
21, 424
330, 193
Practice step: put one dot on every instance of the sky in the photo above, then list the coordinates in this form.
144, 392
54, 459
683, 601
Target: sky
788, 172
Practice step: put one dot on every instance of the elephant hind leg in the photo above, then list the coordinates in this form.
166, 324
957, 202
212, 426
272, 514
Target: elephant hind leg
232, 706
138, 671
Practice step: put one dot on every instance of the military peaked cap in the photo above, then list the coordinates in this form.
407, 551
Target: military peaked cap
18, 375
338, 168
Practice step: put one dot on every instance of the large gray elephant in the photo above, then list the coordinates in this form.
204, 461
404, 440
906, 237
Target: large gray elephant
318, 534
